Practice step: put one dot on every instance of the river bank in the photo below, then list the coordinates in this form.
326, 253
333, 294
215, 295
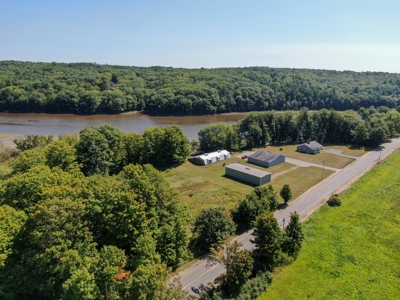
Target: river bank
56, 124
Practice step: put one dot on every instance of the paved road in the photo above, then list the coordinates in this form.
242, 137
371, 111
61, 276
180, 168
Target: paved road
200, 273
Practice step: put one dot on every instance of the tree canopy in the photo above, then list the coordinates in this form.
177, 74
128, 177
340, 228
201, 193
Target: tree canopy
90, 88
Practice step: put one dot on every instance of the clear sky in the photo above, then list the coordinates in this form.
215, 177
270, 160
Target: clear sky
320, 34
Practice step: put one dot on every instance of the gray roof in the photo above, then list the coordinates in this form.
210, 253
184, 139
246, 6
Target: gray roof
248, 170
313, 145
265, 155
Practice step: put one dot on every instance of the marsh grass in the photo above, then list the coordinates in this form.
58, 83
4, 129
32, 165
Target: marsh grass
352, 251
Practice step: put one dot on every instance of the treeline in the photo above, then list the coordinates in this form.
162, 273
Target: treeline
366, 127
88, 88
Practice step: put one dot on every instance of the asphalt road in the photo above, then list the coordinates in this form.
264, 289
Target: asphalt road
201, 273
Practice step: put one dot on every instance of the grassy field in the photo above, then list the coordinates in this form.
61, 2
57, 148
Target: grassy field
206, 186
353, 251
331, 160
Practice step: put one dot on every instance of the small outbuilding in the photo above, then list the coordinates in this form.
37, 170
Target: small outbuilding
266, 159
310, 147
209, 158
247, 174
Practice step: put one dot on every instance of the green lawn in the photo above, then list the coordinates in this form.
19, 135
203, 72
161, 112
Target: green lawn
331, 160
206, 186
353, 251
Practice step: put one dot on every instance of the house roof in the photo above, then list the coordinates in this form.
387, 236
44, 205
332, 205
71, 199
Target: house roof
313, 145
265, 155
247, 170
210, 155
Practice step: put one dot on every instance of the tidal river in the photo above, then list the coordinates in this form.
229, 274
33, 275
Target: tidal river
48, 124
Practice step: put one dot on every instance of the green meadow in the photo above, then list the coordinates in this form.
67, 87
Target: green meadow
352, 251
205, 186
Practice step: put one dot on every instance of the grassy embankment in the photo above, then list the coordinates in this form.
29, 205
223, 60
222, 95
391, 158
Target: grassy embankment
352, 251
204, 186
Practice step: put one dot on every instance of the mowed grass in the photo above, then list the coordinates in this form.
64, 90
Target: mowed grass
205, 186
353, 251
330, 160
346, 150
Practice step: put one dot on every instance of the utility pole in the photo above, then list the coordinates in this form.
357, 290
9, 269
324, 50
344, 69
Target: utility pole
380, 152
323, 167
283, 223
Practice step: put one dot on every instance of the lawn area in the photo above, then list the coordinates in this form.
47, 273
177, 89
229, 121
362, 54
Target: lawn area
352, 251
346, 150
206, 186
331, 160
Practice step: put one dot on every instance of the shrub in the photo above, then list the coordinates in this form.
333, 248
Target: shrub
334, 201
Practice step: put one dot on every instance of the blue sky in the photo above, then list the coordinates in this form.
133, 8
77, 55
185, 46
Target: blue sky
342, 35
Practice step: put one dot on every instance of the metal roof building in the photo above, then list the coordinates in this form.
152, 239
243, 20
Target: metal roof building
208, 158
310, 147
266, 159
248, 174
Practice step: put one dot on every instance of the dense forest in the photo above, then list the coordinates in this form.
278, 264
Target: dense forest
89, 88
85, 216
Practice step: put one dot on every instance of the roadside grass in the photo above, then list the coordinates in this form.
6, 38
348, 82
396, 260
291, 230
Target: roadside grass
300, 180
348, 150
331, 160
205, 186
352, 251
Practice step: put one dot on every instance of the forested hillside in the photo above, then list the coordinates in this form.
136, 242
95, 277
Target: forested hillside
89, 88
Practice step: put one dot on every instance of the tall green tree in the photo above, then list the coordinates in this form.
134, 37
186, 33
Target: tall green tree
93, 152
238, 264
286, 193
217, 137
260, 200
267, 240
293, 236
176, 145
212, 226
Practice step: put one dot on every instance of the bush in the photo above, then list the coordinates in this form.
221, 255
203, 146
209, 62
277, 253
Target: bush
334, 201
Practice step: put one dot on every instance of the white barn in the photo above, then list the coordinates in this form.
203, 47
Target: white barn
209, 158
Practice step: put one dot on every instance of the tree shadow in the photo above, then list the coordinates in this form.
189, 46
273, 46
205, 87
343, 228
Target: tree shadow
282, 206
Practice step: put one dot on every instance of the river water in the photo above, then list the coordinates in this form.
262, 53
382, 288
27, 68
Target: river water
49, 124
